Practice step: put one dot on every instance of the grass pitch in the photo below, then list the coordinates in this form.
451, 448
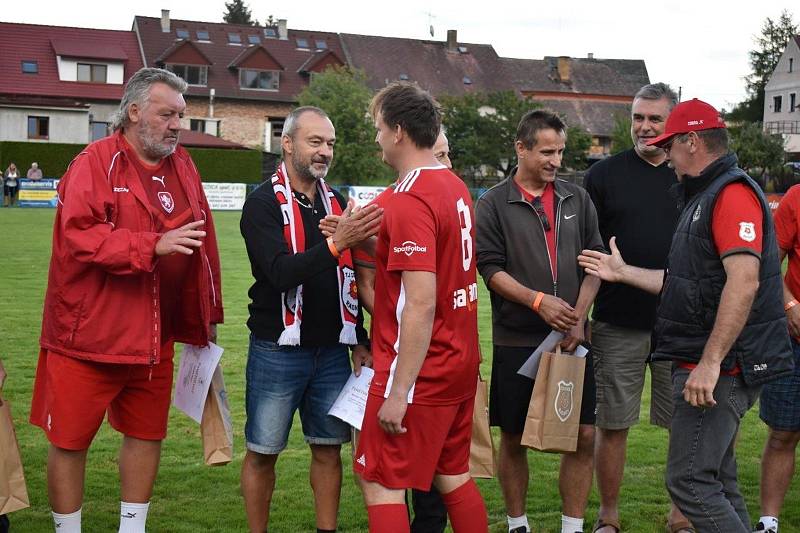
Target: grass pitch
191, 497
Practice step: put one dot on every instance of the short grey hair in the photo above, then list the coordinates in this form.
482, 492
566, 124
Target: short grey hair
290, 124
657, 91
137, 91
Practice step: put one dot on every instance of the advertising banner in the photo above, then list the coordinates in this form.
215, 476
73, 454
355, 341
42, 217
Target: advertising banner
38, 193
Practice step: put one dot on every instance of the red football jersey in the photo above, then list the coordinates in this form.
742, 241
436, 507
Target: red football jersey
428, 226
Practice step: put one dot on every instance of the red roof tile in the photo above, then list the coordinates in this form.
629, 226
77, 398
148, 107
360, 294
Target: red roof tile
221, 54
88, 50
183, 52
32, 42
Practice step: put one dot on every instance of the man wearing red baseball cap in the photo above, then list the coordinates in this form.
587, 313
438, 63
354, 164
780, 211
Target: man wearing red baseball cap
720, 318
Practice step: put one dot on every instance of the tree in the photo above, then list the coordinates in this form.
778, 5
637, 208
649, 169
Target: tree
344, 95
621, 134
237, 12
578, 143
770, 45
757, 150
481, 129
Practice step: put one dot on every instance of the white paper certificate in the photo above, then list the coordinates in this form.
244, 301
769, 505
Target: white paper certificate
194, 377
352, 400
531, 366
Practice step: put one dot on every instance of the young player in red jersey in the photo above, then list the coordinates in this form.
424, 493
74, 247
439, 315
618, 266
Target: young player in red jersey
418, 420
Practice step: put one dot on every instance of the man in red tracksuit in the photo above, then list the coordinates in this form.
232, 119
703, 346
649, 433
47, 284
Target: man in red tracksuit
134, 268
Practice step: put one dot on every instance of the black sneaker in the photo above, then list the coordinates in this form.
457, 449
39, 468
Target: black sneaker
759, 528
520, 529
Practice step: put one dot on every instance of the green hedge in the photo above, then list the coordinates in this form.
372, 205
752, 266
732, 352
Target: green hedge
53, 158
215, 165
228, 166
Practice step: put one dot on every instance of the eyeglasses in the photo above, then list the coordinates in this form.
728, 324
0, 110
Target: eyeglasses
539, 208
679, 138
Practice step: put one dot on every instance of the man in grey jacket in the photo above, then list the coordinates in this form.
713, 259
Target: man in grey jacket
530, 229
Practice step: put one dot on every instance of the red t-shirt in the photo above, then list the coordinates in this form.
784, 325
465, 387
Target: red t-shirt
428, 226
360, 256
736, 226
170, 208
548, 200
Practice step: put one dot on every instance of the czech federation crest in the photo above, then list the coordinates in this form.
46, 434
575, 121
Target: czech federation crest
349, 290
747, 231
166, 201
564, 401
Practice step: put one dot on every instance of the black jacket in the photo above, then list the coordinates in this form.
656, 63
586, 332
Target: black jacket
510, 238
695, 278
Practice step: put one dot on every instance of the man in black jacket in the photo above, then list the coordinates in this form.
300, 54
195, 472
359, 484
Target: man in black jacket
720, 318
304, 313
530, 229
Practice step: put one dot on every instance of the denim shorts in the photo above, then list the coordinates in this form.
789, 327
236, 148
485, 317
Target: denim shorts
282, 379
780, 399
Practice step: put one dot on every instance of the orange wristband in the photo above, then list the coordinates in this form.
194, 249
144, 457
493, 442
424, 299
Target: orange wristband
332, 247
789, 305
538, 301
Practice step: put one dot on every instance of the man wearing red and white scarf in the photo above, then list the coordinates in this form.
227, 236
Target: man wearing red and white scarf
304, 314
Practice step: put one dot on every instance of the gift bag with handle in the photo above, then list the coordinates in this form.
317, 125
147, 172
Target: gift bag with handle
216, 425
554, 411
13, 493
481, 450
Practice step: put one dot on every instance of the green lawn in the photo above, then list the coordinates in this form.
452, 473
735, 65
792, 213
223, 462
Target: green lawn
192, 497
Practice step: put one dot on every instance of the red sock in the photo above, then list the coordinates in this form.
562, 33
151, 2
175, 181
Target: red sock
388, 518
466, 509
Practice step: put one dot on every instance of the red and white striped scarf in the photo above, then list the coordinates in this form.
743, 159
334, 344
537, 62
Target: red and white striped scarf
294, 233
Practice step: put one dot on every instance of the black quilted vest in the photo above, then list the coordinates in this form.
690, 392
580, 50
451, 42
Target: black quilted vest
693, 285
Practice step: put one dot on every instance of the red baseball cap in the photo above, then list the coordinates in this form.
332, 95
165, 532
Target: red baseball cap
691, 115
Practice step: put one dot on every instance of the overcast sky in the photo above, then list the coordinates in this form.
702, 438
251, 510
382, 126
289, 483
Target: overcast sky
700, 46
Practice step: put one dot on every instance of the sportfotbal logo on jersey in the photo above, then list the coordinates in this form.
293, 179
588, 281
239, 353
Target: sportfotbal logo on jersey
349, 291
166, 201
409, 248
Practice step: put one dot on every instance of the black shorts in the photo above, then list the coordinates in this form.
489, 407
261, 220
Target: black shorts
510, 393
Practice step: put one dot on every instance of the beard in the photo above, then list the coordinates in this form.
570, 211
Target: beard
305, 167
155, 145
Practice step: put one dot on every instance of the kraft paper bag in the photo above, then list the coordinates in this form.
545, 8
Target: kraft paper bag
554, 410
481, 450
13, 493
216, 425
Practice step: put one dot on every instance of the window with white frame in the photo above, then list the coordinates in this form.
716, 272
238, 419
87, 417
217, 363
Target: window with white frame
264, 80
93, 73
192, 74
777, 103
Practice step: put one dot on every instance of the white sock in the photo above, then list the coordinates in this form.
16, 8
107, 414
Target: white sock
517, 521
132, 517
769, 521
67, 523
570, 524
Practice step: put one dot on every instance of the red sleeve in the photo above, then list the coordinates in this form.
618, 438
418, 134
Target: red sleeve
85, 204
786, 218
737, 221
411, 226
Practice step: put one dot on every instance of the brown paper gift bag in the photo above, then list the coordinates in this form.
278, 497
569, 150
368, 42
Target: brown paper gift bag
555, 406
13, 493
216, 425
481, 450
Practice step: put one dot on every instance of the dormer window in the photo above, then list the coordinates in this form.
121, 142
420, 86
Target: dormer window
191, 74
254, 39
302, 43
202, 35
321, 45
271, 32
467, 80
92, 73
234, 38
262, 80
30, 67
182, 33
